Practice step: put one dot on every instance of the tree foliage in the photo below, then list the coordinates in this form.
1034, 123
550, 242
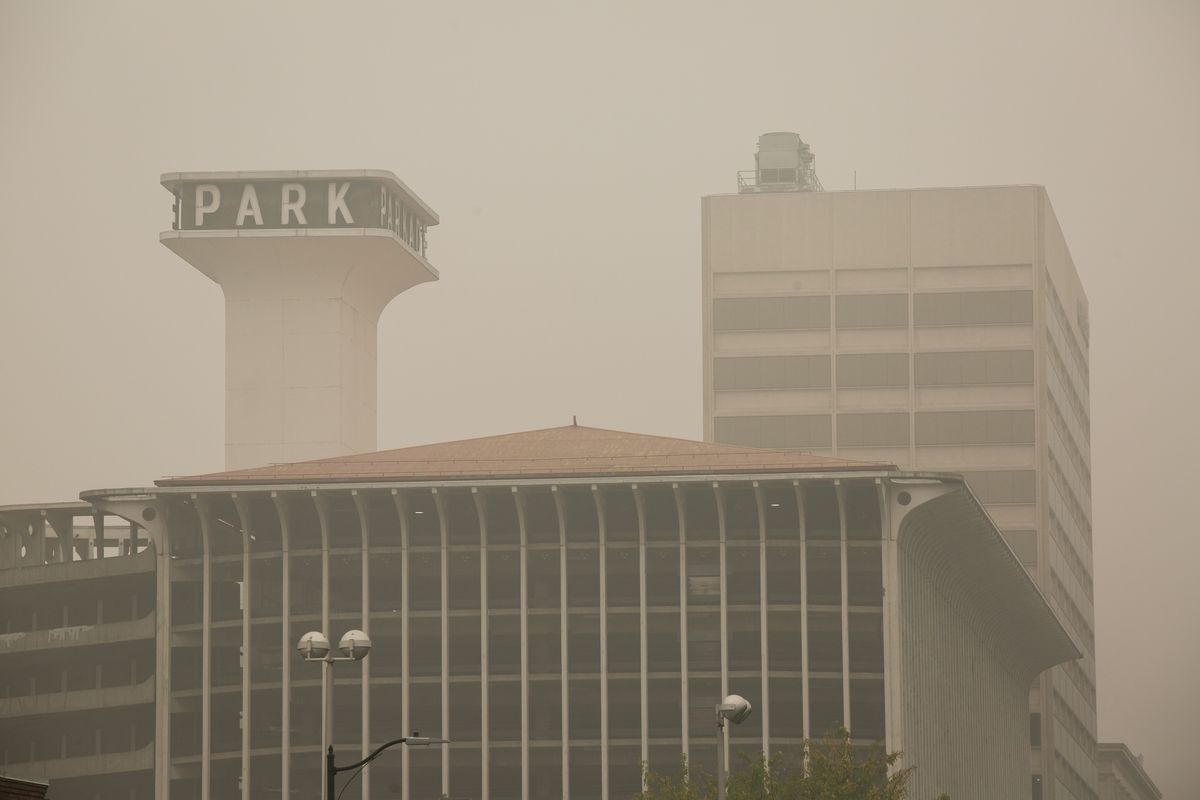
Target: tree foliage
833, 769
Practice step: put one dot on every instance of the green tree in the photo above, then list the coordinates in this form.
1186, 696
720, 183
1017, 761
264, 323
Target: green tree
833, 770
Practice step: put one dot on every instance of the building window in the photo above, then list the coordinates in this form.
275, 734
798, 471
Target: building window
771, 372
872, 311
1007, 307
972, 369
974, 427
873, 430
872, 370
1004, 486
770, 313
781, 432
1025, 545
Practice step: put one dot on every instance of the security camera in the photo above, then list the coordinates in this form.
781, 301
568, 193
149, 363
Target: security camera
735, 708
313, 646
355, 644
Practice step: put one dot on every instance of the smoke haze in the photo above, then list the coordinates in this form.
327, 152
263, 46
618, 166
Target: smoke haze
566, 150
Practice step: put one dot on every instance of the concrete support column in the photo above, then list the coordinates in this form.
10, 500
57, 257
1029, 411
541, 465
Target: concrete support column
598, 500
764, 653
402, 514
360, 507
202, 512
286, 645
681, 511
722, 547
445, 566
845, 604
643, 663
322, 506
484, 739
244, 516
559, 506
803, 611
524, 605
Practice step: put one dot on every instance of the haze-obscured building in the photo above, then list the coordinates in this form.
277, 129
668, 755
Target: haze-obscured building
1123, 775
563, 605
942, 329
77, 638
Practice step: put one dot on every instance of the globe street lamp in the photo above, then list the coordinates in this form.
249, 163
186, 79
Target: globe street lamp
354, 646
736, 709
314, 646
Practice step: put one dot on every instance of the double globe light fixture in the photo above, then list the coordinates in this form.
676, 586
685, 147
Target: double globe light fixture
354, 646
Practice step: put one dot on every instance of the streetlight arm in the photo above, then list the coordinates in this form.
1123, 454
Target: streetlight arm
332, 769
373, 755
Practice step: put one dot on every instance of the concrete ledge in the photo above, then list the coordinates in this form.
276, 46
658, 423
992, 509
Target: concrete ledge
81, 700
78, 636
82, 766
90, 569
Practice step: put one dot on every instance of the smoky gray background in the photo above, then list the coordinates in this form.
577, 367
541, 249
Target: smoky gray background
566, 149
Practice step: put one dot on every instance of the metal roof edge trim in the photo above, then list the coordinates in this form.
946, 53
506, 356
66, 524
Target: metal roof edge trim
740, 477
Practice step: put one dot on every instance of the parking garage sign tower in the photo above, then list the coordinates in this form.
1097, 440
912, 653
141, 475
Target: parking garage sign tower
307, 262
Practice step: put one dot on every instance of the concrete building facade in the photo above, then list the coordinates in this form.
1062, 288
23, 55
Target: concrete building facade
1122, 774
936, 329
563, 605
77, 651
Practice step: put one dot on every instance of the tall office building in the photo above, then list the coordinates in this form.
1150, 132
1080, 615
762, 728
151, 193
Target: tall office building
939, 329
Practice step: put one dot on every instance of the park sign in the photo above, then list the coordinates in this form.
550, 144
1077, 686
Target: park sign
247, 201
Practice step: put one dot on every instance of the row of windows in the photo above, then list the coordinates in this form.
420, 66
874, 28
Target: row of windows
992, 367
1082, 682
1073, 451
873, 430
1073, 400
872, 311
974, 427
784, 431
1075, 563
542, 761
1024, 544
1072, 780
1079, 620
879, 429
771, 372
1076, 727
1004, 486
973, 368
1074, 508
809, 312
1060, 315
770, 313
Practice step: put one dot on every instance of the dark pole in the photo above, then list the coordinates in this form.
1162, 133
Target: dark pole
330, 772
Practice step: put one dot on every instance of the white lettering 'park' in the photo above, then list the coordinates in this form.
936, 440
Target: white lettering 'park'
289, 206
249, 206
208, 198
337, 203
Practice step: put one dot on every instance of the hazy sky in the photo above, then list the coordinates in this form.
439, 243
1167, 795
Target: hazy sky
566, 149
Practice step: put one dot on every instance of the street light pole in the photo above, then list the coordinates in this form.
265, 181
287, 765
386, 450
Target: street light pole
736, 709
331, 769
314, 646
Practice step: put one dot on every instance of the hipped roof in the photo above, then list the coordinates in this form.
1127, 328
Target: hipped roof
569, 451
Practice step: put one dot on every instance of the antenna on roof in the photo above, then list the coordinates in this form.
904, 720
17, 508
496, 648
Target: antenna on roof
574, 422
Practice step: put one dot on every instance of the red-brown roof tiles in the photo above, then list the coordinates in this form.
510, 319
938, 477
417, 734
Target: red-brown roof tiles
569, 451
